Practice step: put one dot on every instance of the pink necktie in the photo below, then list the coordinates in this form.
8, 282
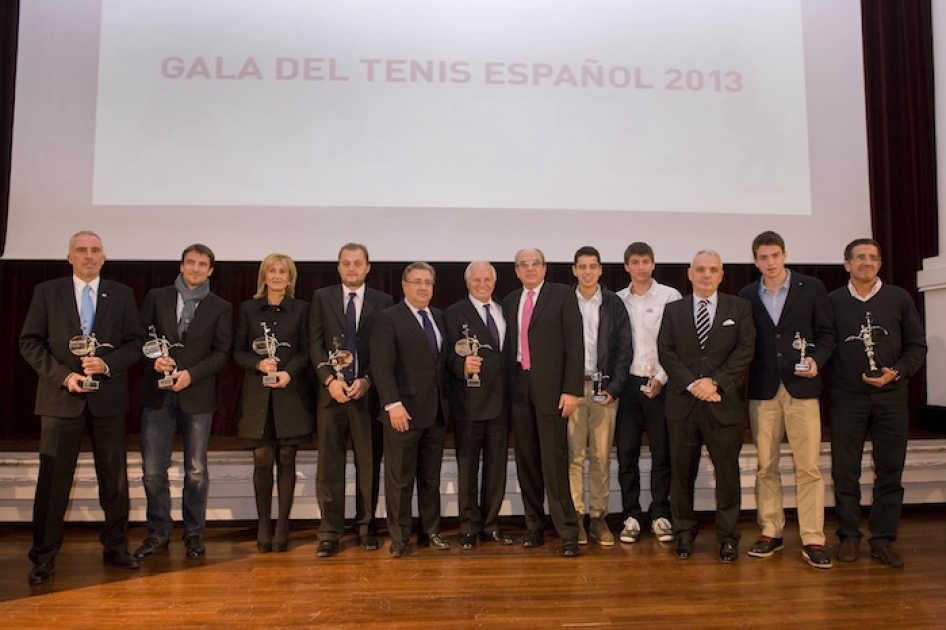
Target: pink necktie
524, 330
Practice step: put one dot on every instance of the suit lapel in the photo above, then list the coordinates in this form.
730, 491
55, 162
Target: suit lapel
68, 298
337, 304
415, 329
168, 314
102, 308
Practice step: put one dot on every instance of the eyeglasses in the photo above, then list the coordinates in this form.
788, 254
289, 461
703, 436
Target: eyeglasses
528, 264
420, 283
866, 258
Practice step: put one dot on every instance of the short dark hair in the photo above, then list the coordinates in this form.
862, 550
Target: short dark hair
354, 247
201, 249
638, 248
587, 250
419, 265
767, 238
849, 250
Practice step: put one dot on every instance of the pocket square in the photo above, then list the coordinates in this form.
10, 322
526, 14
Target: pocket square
729, 322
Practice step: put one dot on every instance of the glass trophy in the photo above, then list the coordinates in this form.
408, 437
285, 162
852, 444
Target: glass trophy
85, 346
160, 347
469, 346
650, 369
266, 346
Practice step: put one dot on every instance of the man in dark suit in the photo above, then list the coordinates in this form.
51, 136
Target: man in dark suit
479, 412
705, 344
343, 314
792, 320
198, 327
544, 356
62, 309
409, 369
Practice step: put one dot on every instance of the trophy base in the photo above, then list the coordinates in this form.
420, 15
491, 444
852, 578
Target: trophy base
802, 367
270, 380
474, 382
874, 373
166, 383
90, 384
599, 398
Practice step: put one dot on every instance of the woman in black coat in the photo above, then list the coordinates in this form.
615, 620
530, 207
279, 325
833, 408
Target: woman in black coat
276, 404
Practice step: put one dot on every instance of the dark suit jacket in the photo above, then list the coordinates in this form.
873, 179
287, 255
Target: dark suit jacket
404, 368
53, 319
292, 405
806, 311
327, 321
725, 359
556, 343
474, 403
206, 348
615, 344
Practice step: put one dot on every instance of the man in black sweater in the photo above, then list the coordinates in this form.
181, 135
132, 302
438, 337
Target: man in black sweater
881, 344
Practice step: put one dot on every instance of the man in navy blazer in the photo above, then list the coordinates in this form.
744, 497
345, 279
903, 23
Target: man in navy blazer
480, 415
409, 369
198, 327
792, 318
705, 344
66, 406
344, 313
544, 356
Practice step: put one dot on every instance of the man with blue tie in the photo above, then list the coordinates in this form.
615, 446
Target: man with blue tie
409, 369
77, 392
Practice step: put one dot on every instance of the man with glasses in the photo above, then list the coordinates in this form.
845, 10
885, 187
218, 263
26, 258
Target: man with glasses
408, 367
881, 344
544, 357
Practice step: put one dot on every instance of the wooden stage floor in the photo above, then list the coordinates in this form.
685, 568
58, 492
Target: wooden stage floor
625, 586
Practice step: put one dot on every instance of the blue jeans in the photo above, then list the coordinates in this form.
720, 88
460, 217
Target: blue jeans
158, 427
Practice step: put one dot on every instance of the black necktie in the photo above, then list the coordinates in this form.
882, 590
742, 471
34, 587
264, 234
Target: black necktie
702, 323
351, 335
491, 325
429, 331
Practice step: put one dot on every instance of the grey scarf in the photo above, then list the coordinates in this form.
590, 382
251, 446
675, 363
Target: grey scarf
192, 298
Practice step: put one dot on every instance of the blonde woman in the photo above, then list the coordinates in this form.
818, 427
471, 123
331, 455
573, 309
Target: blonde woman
276, 411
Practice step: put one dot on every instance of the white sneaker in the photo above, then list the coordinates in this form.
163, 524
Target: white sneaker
632, 530
662, 529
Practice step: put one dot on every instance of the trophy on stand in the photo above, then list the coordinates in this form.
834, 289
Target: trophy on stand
598, 382
85, 346
159, 347
801, 344
338, 359
266, 346
470, 346
870, 335
650, 368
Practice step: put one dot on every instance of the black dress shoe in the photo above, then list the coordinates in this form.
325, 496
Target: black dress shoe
467, 541
327, 549
887, 555
264, 546
150, 546
194, 546
42, 573
280, 546
120, 559
437, 541
369, 542
684, 548
398, 549
497, 537
570, 547
533, 538
847, 552
728, 552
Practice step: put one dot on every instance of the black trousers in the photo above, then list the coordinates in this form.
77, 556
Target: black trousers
480, 502
335, 424
886, 417
59, 443
636, 414
542, 462
416, 453
723, 442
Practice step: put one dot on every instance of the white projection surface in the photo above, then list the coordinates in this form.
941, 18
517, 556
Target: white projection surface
439, 130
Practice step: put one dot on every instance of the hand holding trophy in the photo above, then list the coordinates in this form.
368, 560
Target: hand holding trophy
870, 335
85, 346
470, 346
650, 368
160, 347
266, 346
801, 344
339, 359
598, 383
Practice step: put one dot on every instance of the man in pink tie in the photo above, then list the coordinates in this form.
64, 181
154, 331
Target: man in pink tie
544, 354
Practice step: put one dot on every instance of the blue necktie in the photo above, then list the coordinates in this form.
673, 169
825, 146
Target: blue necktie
491, 325
86, 310
429, 331
351, 336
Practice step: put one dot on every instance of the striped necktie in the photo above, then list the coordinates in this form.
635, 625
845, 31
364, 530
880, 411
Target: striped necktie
702, 323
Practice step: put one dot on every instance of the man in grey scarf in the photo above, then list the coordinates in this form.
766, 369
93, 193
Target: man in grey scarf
179, 392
